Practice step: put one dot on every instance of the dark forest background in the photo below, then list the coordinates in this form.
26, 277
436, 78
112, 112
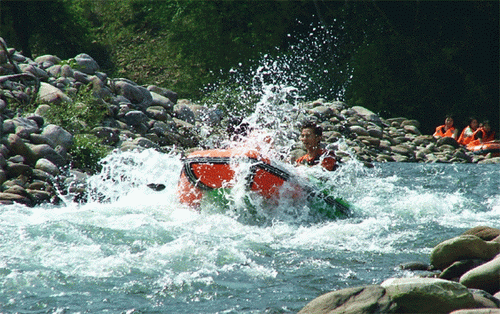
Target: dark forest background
417, 59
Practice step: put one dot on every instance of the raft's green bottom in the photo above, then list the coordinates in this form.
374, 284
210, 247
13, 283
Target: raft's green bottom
319, 203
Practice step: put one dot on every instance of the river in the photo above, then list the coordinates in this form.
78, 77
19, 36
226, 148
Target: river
130, 249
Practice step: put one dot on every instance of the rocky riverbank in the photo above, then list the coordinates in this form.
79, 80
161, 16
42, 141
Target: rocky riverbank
463, 278
36, 157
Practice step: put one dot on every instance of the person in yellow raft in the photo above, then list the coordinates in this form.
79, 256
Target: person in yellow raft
311, 135
446, 130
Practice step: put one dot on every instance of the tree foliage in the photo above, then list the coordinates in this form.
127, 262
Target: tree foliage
418, 59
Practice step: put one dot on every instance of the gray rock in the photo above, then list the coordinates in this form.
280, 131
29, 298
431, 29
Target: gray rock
157, 113
42, 110
15, 198
458, 268
47, 166
3, 176
367, 299
485, 277
367, 114
402, 150
24, 125
51, 95
66, 71
137, 95
109, 136
46, 152
412, 129
484, 232
184, 113
54, 71
163, 92
81, 77
376, 132
13, 170
86, 64
427, 295
162, 128
17, 146
463, 247
160, 100
361, 131
38, 139
414, 123
322, 112
36, 71
135, 117
48, 58
58, 136
447, 141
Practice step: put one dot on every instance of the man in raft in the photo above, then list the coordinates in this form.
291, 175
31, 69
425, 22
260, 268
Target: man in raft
446, 130
311, 135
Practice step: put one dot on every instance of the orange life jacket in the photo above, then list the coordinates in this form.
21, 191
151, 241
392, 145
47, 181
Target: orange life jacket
481, 136
466, 136
440, 131
327, 159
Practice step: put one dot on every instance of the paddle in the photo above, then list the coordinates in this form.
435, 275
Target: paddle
156, 186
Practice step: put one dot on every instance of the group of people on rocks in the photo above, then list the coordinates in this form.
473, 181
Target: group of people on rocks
474, 133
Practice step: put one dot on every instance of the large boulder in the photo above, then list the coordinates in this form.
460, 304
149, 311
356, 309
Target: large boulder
47, 152
18, 147
428, 295
58, 136
160, 100
47, 166
366, 299
367, 114
136, 94
485, 277
484, 232
86, 64
51, 95
463, 247
447, 141
24, 127
48, 58
477, 311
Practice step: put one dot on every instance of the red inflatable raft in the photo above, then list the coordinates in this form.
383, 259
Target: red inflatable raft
486, 148
213, 169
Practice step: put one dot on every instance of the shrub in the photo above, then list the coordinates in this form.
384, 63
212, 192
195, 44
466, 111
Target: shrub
87, 151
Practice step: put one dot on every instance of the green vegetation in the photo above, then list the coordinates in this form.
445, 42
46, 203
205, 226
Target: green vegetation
80, 115
87, 151
418, 59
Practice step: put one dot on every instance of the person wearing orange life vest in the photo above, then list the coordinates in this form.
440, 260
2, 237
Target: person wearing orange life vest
482, 135
466, 135
311, 135
446, 130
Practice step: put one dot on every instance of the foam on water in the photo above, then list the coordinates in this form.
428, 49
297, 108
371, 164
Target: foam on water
142, 241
